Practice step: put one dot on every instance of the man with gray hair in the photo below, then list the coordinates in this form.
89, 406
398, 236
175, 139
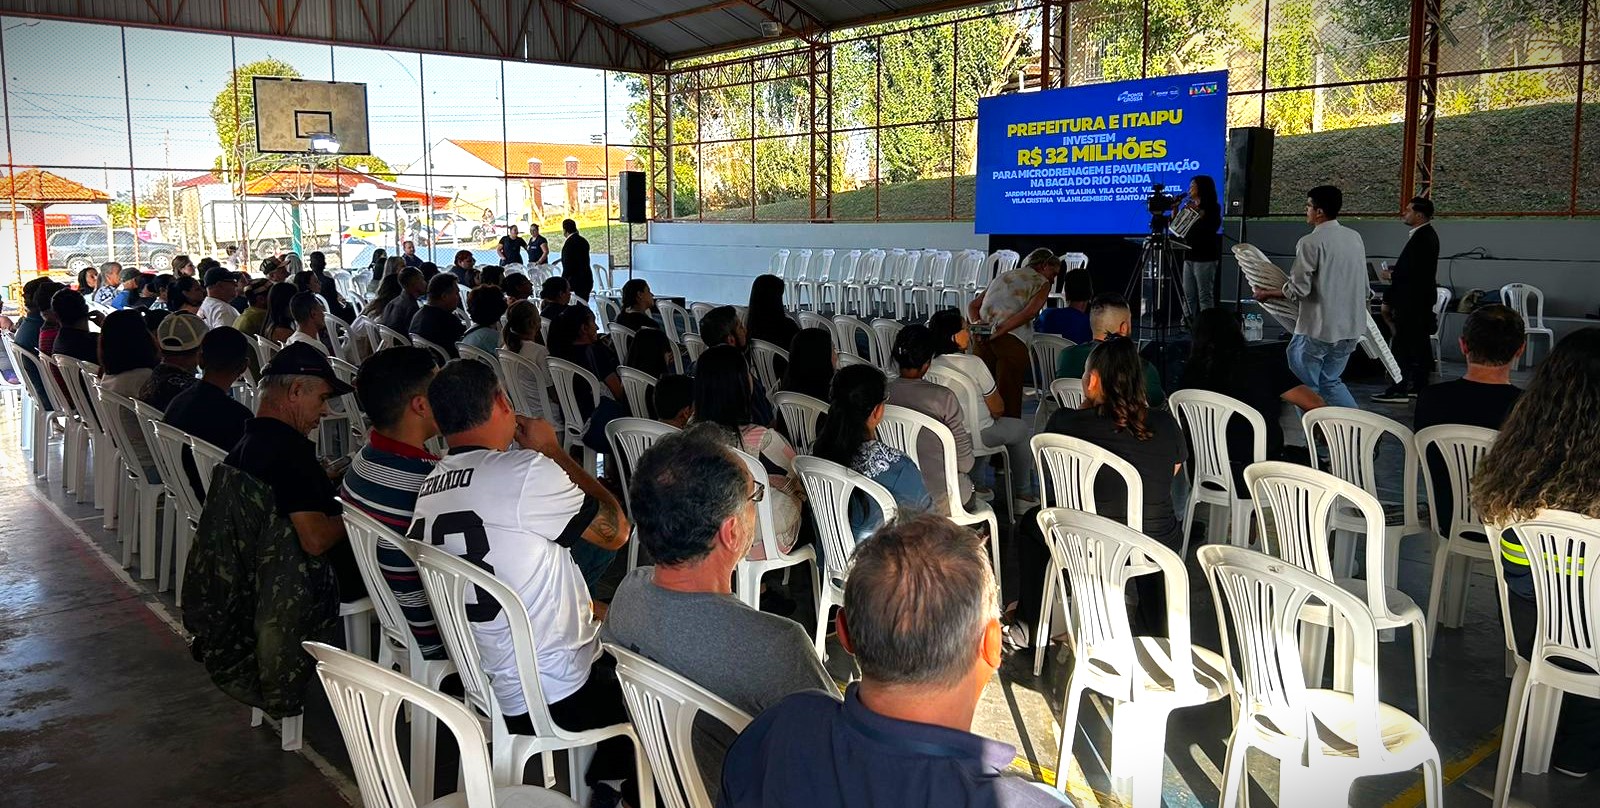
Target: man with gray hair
110, 283
922, 619
694, 506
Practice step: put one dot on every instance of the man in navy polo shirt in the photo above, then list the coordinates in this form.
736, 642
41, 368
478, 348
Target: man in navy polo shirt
901, 735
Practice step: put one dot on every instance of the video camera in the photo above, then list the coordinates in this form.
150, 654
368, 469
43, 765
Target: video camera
1160, 204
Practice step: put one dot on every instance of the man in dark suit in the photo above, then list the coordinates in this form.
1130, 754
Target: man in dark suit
1409, 302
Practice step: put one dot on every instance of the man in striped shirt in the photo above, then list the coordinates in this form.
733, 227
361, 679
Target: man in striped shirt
383, 479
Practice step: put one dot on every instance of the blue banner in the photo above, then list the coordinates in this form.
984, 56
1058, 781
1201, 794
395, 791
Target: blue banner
1082, 160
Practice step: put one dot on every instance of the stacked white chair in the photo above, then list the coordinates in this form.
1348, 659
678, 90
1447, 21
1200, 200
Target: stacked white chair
902, 428
1296, 508
1560, 547
829, 488
962, 283
1465, 541
747, 576
1145, 678
868, 271
636, 387
1528, 301
1351, 439
1441, 304
629, 439
801, 415
779, 264
450, 582
1323, 739
831, 293
807, 287
932, 271
397, 647
664, 707
795, 275
367, 701
1205, 417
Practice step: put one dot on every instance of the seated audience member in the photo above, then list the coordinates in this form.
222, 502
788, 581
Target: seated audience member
253, 321
206, 410
1220, 361
903, 735
274, 269
697, 516
127, 359
401, 308
295, 389
1545, 459
485, 306
812, 361
146, 292
388, 289
74, 338
491, 275
721, 326
575, 338
280, 317
179, 338
27, 333
222, 287
1072, 320
673, 398
723, 388
127, 292
309, 321
517, 288
1492, 339
651, 352
637, 306
521, 337
462, 269
386, 474
1109, 316
436, 321
1116, 417
554, 296
950, 340
538, 508
185, 294
765, 318
848, 435
913, 353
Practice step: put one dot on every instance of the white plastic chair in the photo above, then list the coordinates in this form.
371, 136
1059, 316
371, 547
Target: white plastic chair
1205, 416
1145, 678
962, 283
606, 311
931, 271
636, 387
177, 515
885, 331
79, 378
813, 276
812, 319
602, 278
565, 376
449, 582
75, 442
141, 499
265, 349
857, 287
830, 487
1559, 546
388, 337
693, 345
340, 334
833, 290
168, 443
621, 337
488, 358
1296, 508
1441, 304
629, 439
801, 414
1323, 739
397, 647
1351, 439
747, 576
528, 384
846, 328
367, 700
972, 404
1068, 393
438, 351
36, 419
1528, 301
1043, 351
1465, 541
764, 358
901, 428
779, 265
675, 320
664, 706
698, 311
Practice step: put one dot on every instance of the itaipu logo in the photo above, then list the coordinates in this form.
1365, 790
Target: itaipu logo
1130, 97
1203, 88
1170, 92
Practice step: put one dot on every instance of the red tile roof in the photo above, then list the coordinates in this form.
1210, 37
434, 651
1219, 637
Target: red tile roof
552, 157
36, 186
292, 181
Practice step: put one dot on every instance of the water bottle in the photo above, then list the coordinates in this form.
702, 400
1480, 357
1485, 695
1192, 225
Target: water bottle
1253, 327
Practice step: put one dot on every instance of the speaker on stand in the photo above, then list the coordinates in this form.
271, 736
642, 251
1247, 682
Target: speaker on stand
630, 206
1248, 186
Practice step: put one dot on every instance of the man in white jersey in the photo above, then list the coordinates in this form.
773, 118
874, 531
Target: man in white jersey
515, 510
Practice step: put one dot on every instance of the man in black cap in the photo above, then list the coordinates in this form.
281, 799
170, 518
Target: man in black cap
222, 287
205, 410
295, 389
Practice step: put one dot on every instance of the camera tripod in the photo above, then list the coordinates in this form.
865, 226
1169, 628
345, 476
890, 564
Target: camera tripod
1156, 285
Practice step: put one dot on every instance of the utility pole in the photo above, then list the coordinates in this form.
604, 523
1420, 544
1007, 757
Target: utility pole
172, 210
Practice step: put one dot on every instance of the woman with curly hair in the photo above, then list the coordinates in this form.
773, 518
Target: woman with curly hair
1117, 417
1545, 458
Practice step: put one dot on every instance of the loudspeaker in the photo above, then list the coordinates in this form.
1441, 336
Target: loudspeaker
1249, 184
630, 196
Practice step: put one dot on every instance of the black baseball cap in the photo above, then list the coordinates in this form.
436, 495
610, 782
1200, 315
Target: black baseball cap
301, 359
216, 275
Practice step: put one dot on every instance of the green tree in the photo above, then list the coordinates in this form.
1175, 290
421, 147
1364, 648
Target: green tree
123, 213
233, 110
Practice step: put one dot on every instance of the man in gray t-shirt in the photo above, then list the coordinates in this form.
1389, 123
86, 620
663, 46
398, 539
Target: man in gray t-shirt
694, 507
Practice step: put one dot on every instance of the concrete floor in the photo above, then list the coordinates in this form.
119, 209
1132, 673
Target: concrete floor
101, 704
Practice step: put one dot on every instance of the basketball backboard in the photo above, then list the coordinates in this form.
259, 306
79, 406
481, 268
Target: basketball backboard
290, 111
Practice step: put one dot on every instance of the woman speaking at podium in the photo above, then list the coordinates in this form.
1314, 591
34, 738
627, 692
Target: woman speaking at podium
1204, 213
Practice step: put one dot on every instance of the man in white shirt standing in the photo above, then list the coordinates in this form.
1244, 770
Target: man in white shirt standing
222, 286
508, 499
1329, 283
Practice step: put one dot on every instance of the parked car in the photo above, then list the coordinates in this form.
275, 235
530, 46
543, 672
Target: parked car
76, 248
456, 227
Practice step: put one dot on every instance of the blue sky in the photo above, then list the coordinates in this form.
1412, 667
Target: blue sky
65, 84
